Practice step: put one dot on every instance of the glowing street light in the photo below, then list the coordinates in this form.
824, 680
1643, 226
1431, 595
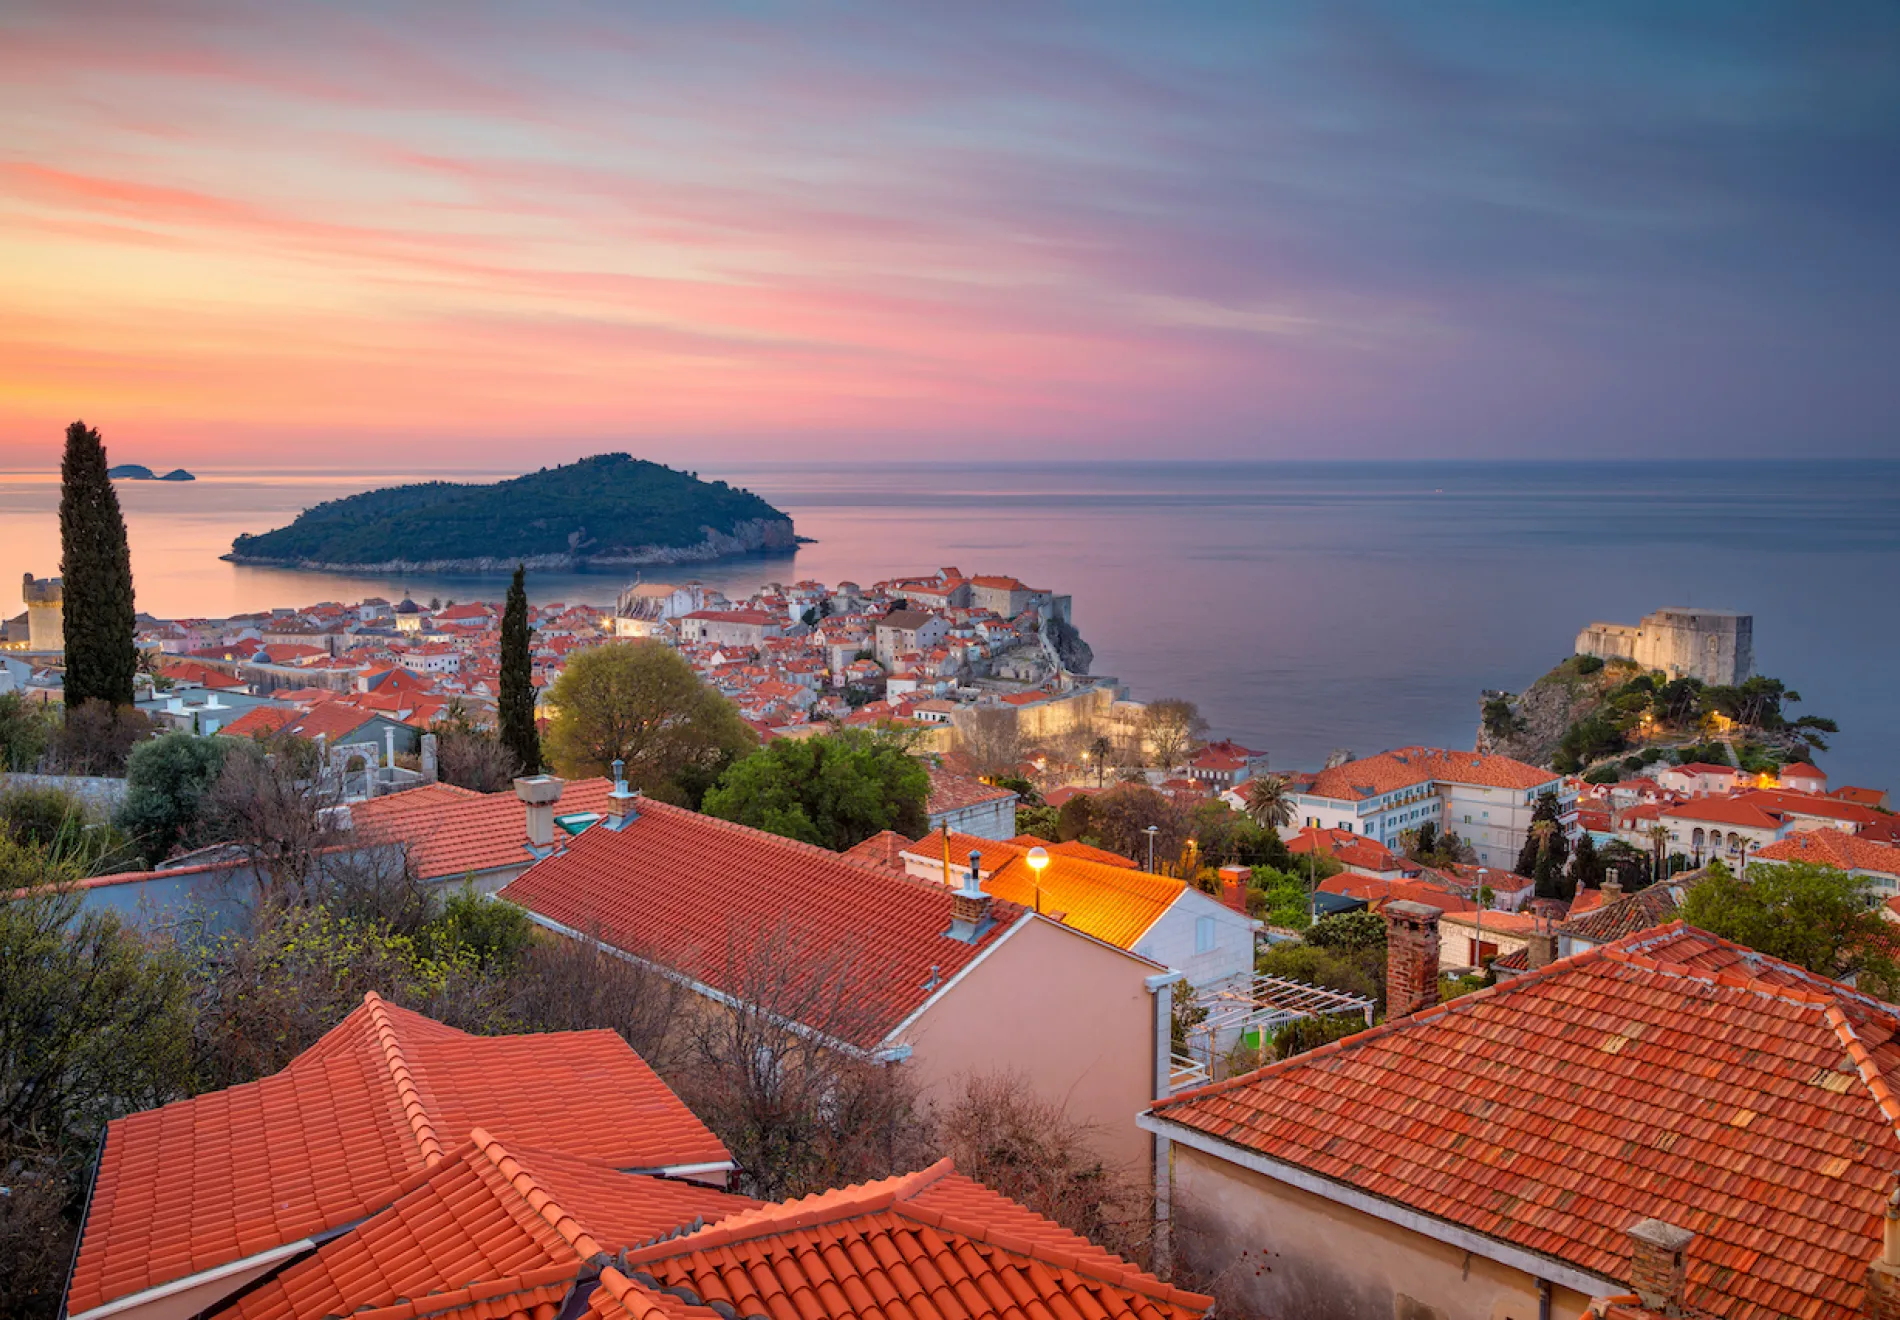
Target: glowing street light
1038, 858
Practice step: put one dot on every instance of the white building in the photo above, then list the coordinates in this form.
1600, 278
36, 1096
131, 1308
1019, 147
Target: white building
1487, 801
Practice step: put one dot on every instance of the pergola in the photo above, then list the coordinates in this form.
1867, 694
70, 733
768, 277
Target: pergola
1261, 1005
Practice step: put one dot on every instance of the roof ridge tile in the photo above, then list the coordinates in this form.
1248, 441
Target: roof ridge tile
1864, 1065
421, 1126
570, 1229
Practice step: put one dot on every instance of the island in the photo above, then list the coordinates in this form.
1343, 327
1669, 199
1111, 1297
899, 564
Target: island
139, 472
606, 511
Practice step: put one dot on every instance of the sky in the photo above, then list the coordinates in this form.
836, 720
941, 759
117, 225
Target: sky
481, 236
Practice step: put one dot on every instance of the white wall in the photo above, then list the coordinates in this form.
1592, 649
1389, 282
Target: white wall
1173, 940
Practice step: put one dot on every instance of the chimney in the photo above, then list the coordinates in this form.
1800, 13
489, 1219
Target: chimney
1881, 1301
1411, 957
1612, 888
1233, 887
538, 794
430, 772
1540, 950
621, 808
970, 906
1656, 1264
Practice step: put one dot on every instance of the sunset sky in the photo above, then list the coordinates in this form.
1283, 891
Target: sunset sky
479, 236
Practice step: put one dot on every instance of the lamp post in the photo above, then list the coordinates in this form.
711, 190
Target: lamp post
1151, 831
1477, 952
1038, 858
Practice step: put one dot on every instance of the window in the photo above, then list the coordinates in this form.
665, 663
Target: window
1204, 935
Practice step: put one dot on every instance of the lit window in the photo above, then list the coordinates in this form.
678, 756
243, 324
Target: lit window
1204, 935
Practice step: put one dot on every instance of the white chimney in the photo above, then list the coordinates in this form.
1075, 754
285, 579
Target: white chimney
538, 794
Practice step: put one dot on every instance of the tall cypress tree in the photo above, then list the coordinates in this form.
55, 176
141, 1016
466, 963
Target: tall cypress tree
96, 563
516, 700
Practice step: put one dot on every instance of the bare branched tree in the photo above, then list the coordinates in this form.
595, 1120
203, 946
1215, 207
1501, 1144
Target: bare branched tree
271, 805
568, 985
991, 739
783, 1079
474, 758
999, 1131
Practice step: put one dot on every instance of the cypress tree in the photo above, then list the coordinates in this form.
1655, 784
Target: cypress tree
516, 699
96, 564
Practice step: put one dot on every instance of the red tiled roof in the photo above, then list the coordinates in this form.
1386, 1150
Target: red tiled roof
258, 722
1632, 913
950, 792
508, 1227
1811, 804
1390, 771
210, 1180
692, 891
1351, 849
1113, 903
883, 850
1753, 1108
926, 1244
1860, 797
1377, 892
1835, 848
1075, 848
451, 831
1740, 811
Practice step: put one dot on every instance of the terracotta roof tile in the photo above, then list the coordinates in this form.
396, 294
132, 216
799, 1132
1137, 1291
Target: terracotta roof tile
1754, 1106
225, 1175
451, 831
1846, 852
1113, 903
1407, 766
688, 890
931, 1243
950, 792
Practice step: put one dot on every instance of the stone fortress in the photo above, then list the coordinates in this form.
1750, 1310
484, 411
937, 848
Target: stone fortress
45, 613
1716, 646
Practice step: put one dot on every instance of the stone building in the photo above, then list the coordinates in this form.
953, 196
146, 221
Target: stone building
45, 613
1716, 646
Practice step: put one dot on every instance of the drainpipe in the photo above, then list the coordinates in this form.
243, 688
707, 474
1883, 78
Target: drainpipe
1543, 1299
1161, 988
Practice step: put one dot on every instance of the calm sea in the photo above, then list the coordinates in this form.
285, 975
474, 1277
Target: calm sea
1305, 607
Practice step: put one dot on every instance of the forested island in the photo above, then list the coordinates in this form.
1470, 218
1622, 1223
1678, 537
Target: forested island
139, 472
607, 510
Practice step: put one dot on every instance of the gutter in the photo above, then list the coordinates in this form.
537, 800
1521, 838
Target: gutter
132, 1301
1534, 1264
85, 1213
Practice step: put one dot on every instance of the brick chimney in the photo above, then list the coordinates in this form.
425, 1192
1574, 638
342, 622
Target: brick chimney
1657, 1264
622, 802
1411, 957
1233, 887
1881, 1301
1612, 888
970, 906
538, 794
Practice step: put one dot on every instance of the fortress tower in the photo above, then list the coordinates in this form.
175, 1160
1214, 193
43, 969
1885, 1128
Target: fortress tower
45, 613
1716, 646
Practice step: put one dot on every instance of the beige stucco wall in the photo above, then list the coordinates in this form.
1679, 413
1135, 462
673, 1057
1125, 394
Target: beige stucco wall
1266, 1249
1070, 1015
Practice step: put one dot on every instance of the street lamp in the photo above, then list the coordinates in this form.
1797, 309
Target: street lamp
1477, 952
1151, 831
1038, 858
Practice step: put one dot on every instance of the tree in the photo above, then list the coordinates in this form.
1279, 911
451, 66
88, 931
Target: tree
1170, 727
1811, 915
95, 739
1658, 846
1075, 818
798, 1114
516, 698
834, 791
641, 703
93, 1025
1586, 867
25, 731
473, 758
1269, 800
96, 568
1000, 1132
271, 804
1121, 817
167, 779
1101, 752
990, 739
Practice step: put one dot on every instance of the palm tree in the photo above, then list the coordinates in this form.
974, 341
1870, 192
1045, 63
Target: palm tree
1269, 801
